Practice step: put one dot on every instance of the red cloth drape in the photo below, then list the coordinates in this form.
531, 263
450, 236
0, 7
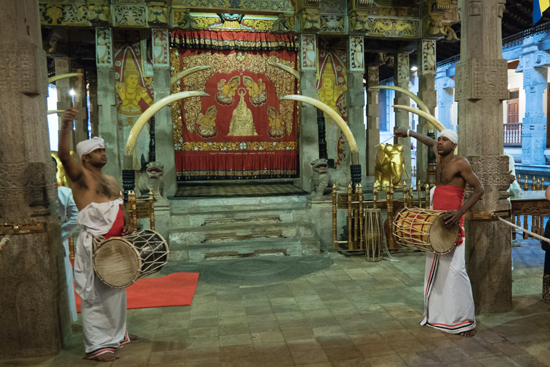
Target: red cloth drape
233, 40
239, 84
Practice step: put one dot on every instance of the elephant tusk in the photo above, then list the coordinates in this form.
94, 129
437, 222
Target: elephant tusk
409, 94
336, 117
62, 76
55, 111
131, 143
292, 71
186, 72
432, 120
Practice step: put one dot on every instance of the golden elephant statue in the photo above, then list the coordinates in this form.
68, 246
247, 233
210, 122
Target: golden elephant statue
390, 165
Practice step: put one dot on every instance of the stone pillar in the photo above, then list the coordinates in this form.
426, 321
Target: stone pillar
444, 86
426, 92
164, 135
373, 113
81, 121
355, 98
534, 63
402, 79
309, 144
94, 117
106, 102
481, 86
63, 87
34, 317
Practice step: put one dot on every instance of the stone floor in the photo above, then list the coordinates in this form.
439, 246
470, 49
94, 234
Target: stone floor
352, 313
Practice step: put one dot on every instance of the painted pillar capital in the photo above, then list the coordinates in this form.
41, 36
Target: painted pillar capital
427, 62
104, 47
161, 48
356, 53
308, 52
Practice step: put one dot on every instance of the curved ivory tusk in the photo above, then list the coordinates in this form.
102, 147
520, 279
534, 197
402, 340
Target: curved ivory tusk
336, 117
55, 111
131, 143
186, 72
292, 71
432, 120
409, 94
62, 76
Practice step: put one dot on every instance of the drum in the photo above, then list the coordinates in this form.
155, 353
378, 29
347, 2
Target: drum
121, 261
373, 235
425, 230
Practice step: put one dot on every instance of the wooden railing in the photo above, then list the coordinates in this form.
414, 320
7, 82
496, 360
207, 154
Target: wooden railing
512, 134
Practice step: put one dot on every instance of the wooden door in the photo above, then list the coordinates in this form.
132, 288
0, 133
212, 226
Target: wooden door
513, 107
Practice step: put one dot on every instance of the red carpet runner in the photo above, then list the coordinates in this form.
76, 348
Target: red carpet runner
176, 289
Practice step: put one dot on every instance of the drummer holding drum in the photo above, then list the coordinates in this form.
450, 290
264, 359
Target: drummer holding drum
101, 213
448, 300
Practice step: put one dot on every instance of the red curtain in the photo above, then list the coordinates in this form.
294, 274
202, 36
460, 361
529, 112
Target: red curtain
242, 130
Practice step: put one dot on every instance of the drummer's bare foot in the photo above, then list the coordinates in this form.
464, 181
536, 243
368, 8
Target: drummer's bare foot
133, 338
106, 357
468, 334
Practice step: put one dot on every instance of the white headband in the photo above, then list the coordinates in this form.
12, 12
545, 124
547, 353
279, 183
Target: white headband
88, 146
450, 134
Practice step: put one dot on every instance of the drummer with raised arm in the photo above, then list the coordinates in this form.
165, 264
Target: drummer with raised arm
101, 213
448, 300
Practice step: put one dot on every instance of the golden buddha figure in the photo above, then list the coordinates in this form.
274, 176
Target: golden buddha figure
329, 93
131, 93
242, 122
206, 124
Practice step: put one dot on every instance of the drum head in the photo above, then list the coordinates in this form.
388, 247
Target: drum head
443, 238
117, 263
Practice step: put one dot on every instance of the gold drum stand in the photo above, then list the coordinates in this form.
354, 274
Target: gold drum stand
373, 235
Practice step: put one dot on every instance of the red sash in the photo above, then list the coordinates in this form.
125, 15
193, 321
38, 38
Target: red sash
450, 198
118, 225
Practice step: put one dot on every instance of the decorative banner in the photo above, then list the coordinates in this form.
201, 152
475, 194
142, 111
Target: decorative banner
134, 91
242, 130
356, 54
331, 88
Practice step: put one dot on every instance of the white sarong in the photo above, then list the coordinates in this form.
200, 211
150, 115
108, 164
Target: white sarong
103, 308
448, 299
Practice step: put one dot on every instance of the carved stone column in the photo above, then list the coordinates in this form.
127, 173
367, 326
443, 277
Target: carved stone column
427, 93
481, 86
373, 113
93, 106
164, 136
402, 79
534, 66
63, 87
81, 121
34, 317
355, 97
106, 101
309, 145
444, 86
